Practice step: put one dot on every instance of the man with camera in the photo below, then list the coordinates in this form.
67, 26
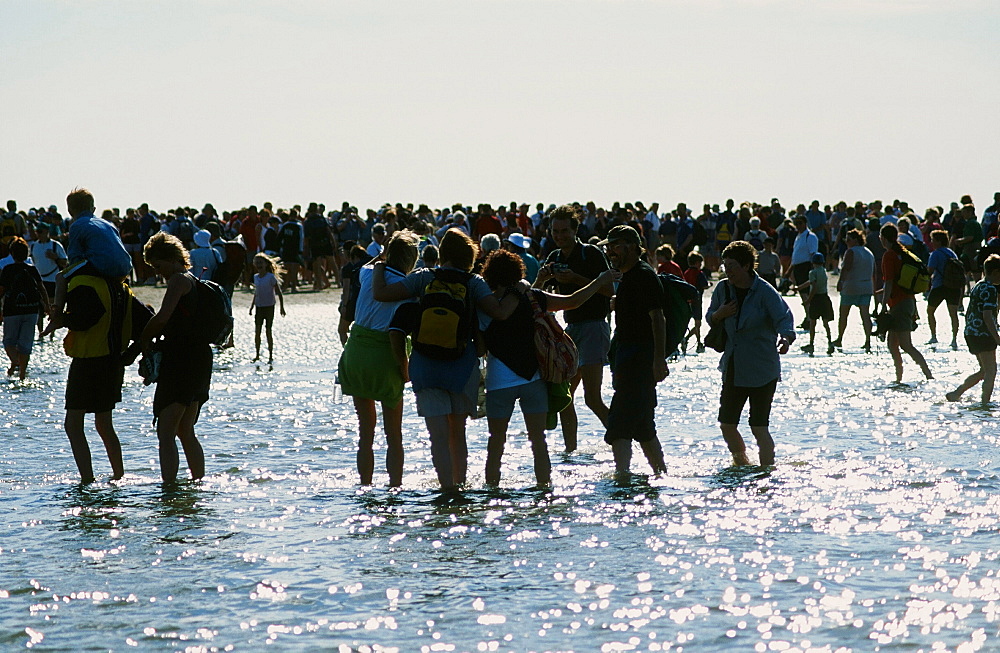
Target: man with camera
571, 266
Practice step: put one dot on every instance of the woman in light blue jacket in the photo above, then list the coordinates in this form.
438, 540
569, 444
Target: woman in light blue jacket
759, 327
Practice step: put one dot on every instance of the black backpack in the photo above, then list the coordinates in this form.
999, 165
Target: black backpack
446, 316
23, 294
676, 298
214, 320
348, 308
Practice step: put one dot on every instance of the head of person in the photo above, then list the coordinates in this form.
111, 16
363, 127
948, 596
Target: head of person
665, 253
503, 269
203, 238
800, 223
889, 235
695, 260
563, 223
818, 260
401, 250
991, 266
18, 249
213, 230
768, 244
378, 233
42, 232
755, 223
164, 250
264, 263
903, 225
457, 250
489, 243
357, 254
939, 238
739, 258
80, 202
430, 256
854, 237
624, 246
518, 243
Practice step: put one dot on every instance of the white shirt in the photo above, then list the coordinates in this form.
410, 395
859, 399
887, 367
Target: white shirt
263, 290
47, 268
373, 314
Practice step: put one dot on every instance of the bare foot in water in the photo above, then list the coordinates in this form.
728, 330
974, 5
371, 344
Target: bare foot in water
740, 459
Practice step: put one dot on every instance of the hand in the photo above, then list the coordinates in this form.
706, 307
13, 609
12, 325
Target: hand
660, 370
609, 277
568, 276
250, 312
544, 273
726, 310
282, 311
782, 345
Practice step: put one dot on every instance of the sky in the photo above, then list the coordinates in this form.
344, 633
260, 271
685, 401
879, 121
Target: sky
441, 101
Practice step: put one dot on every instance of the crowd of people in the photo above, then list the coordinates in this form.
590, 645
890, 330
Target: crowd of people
426, 293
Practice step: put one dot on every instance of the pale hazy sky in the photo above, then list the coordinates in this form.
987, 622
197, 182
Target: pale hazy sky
437, 101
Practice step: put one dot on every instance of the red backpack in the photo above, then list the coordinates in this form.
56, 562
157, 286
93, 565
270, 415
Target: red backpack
557, 356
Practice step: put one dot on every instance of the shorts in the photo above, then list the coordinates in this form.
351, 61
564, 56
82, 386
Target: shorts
800, 272
950, 296
533, 397
904, 315
820, 308
592, 339
185, 376
630, 416
263, 314
317, 251
980, 344
855, 300
734, 397
19, 332
435, 402
94, 385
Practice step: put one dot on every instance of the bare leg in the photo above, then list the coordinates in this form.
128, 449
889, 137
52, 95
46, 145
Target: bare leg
494, 449
892, 339
654, 455
270, 342
256, 339
78, 443
459, 448
193, 452
567, 416
166, 432
953, 314
106, 429
438, 429
539, 449
392, 424
365, 408
734, 441
845, 311
622, 450
932, 321
906, 345
593, 376
866, 322
765, 444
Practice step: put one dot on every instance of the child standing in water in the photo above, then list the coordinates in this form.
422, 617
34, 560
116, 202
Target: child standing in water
266, 289
981, 331
818, 305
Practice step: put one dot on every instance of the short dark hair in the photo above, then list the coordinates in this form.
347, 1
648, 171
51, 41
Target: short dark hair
18, 249
742, 252
566, 212
991, 264
503, 268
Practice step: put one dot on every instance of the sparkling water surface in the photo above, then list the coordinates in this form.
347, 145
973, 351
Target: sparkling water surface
876, 531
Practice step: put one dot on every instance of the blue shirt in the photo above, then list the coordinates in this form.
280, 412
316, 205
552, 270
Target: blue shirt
753, 333
936, 262
97, 241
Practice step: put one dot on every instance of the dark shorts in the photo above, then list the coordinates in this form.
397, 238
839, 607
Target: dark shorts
820, 308
734, 398
263, 314
980, 344
50, 289
325, 249
630, 416
800, 273
904, 315
950, 296
94, 385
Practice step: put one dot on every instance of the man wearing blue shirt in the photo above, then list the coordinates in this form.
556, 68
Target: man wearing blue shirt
806, 244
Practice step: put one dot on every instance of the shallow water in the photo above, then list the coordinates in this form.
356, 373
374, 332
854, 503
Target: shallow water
877, 530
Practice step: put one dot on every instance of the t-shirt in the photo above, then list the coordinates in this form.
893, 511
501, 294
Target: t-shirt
891, 264
48, 267
983, 297
696, 278
204, 261
669, 267
936, 264
264, 289
20, 289
638, 293
370, 313
973, 230
818, 279
589, 262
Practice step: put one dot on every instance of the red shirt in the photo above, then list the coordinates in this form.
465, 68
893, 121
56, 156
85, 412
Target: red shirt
670, 268
891, 264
